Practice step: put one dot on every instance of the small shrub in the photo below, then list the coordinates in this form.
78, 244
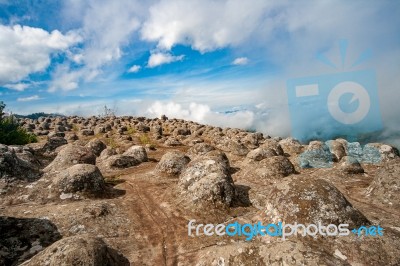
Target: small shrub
144, 139
131, 131
11, 133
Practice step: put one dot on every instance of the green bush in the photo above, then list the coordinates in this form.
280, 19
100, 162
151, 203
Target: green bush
11, 133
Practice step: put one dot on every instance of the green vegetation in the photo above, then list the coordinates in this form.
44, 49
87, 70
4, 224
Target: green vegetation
144, 139
11, 133
131, 131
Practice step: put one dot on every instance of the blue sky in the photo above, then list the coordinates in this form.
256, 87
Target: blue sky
189, 59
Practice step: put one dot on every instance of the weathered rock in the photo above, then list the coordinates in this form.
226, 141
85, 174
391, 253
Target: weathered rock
200, 149
261, 153
337, 149
316, 155
172, 163
22, 238
80, 178
207, 181
309, 201
97, 146
70, 155
78, 250
14, 167
137, 152
121, 161
350, 165
385, 188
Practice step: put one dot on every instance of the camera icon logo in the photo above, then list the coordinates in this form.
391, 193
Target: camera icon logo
343, 104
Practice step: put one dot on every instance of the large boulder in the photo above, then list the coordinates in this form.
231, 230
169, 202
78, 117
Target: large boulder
261, 153
350, 165
80, 178
200, 149
172, 163
70, 155
78, 250
120, 161
97, 146
316, 155
207, 181
309, 201
267, 170
22, 238
19, 167
137, 152
385, 188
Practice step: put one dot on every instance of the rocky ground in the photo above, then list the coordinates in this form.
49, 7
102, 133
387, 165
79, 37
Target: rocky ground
121, 190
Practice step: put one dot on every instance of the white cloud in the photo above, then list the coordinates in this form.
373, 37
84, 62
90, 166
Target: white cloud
205, 25
241, 61
106, 26
29, 99
17, 86
201, 113
25, 50
158, 58
134, 69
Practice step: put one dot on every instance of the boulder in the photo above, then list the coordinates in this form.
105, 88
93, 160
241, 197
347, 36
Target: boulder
70, 155
172, 163
207, 181
78, 250
261, 153
309, 201
137, 152
96, 146
80, 178
14, 167
350, 165
200, 149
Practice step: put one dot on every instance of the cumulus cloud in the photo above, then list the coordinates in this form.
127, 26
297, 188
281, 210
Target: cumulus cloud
134, 69
201, 113
17, 86
29, 99
158, 59
25, 50
241, 61
205, 25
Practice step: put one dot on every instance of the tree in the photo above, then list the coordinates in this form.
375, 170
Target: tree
2, 106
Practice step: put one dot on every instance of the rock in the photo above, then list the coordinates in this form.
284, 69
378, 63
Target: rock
172, 142
200, 149
237, 148
172, 163
87, 132
207, 181
261, 153
80, 178
121, 161
378, 152
22, 238
316, 155
385, 188
78, 250
268, 169
70, 155
350, 165
337, 149
96, 146
309, 201
137, 152
53, 143
13, 167
273, 145
291, 146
